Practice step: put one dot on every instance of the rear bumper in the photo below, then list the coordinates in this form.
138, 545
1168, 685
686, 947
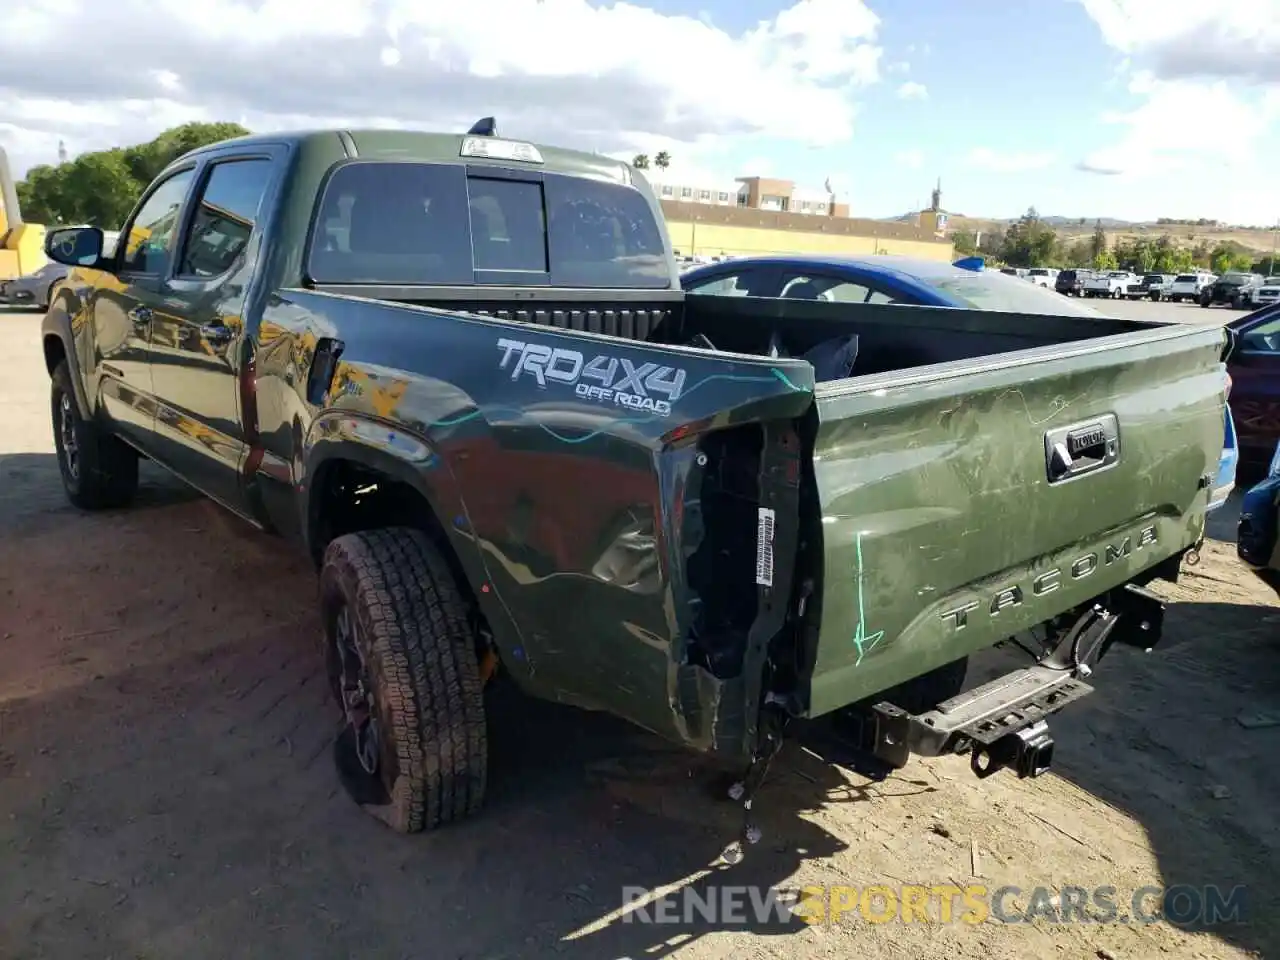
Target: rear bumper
1004, 723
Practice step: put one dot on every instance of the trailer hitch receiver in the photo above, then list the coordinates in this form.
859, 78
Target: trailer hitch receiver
1028, 752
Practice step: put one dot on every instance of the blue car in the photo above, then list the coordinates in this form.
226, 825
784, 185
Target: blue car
966, 284
1258, 531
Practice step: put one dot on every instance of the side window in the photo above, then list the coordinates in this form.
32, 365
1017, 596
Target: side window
225, 217
831, 289
150, 240
732, 285
1264, 338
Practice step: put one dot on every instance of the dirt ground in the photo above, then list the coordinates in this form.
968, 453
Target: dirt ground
167, 790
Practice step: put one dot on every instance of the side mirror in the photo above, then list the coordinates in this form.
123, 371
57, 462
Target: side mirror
74, 246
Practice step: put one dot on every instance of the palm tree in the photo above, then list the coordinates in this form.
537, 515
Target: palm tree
641, 161
662, 160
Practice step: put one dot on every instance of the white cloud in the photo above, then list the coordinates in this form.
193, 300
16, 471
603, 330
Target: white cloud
1207, 79
1016, 162
613, 78
1183, 39
913, 159
1158, 137
913, 91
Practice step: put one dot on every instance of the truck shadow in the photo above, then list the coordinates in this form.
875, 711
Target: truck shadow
1181, 741
166, 784
31, 490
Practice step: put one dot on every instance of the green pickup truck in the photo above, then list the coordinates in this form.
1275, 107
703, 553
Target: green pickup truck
460, 371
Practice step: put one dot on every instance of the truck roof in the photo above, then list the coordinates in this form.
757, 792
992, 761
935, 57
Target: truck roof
425, 146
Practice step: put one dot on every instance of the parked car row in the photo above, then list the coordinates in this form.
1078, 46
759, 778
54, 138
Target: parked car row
1241, 290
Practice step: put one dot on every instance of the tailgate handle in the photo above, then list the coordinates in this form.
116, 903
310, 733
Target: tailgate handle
1081, 448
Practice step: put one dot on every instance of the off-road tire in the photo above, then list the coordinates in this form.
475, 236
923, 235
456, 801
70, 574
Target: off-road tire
102, 471
414, 635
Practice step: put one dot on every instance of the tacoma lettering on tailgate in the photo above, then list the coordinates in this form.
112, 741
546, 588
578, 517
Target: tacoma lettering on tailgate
1049, 581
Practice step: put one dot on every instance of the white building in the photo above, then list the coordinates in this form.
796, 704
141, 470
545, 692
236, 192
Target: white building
756, 193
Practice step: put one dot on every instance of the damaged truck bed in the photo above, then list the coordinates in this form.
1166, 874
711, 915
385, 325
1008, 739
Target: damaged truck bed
706, 515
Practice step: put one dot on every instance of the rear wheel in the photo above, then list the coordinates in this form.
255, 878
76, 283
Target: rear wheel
99, 470
401, 660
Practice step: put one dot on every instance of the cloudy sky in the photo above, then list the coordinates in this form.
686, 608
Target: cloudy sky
1127, 108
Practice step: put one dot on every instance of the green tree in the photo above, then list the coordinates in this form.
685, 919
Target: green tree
146, 160
1078, 254
641, 161
989, 244
1106, 260
1170, 257
1201, 253
40, 196
965, 242
102, 187
1228, 257
662, 160
1029, 242
1137, 254
1099, 242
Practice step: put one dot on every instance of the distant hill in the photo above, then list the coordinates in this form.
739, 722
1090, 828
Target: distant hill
1259, 239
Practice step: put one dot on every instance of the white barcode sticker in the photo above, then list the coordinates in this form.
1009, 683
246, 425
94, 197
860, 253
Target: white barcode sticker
764, 547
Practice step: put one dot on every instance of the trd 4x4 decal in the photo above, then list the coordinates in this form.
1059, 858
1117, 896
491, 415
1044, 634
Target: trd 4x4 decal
648, 387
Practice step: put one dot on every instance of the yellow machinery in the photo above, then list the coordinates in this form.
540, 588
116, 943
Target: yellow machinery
21, 244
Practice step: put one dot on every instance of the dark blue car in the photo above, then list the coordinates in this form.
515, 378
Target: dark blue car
1258, 533
910, 280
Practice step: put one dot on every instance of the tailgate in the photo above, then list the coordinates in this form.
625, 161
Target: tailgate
948, 518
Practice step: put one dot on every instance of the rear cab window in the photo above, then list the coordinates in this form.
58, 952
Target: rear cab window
452, 224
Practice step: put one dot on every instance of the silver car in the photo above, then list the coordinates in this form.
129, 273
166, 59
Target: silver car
35, 289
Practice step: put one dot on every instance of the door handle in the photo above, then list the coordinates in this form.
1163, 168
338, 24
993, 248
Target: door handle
141, 315
215, 334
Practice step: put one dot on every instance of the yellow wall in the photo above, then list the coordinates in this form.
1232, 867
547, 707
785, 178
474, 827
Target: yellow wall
710, 239
22, 251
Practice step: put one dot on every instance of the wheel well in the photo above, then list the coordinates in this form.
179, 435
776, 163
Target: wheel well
54, 353
347, 497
